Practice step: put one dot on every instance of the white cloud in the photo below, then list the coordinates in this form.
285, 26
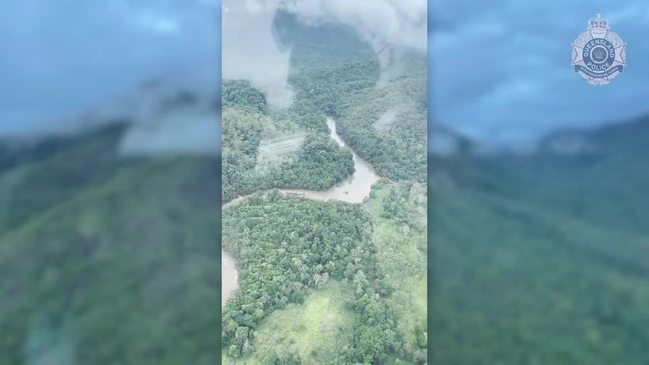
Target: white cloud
247, 39
247, 34
254, 6
157, 23
186, 131
95, 50
392, 22
502, 74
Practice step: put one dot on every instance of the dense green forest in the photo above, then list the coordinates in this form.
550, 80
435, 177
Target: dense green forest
399, 233
335, 72
319, 163
542, 258
287, 247
241, 94
327, 282
400, 152
96, 251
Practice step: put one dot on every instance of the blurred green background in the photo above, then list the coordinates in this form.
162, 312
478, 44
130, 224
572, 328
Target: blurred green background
109, 182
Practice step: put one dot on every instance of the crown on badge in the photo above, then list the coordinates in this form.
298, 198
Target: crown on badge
598, 27
598, 23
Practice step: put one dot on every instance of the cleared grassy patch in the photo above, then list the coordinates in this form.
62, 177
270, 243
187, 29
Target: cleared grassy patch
279, 148
401, 256
318, 329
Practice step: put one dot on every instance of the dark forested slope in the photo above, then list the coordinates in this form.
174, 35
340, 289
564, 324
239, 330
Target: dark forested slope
107, 259
317, 164
336, 73
542, 258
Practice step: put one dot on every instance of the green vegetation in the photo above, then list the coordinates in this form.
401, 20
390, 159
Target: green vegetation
334, 72
370, 260
287, 245
107, 260
241, 94
541, 259
399, 234
314, 332
318, 164
400, 152
52, 171
277, 149
327, 282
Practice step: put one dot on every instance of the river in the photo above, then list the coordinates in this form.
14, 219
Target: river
354, 189
229, 276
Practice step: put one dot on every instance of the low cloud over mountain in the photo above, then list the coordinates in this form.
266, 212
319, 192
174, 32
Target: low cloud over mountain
501, 70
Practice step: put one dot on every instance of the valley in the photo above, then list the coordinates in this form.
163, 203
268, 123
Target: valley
106, 256
541, 258
328, 231
355, 189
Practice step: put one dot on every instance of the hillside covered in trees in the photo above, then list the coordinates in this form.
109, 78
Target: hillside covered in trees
315, 163
325, 281
335, 72
541, 258
107, 259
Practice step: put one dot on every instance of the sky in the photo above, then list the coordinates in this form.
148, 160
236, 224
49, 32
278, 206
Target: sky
58, 58
501, 70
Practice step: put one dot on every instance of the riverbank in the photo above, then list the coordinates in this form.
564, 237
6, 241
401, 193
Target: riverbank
353, 190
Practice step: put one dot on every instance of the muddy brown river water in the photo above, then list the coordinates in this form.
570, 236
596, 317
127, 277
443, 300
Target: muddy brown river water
354, 189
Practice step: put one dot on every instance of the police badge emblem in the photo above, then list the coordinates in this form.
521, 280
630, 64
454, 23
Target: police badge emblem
599, 54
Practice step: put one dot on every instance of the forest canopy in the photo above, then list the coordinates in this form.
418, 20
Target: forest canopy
318, 164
